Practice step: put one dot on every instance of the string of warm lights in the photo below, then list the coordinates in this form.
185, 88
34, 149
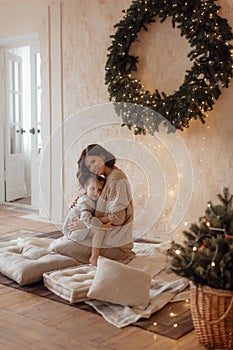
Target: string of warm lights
206, 255
208, 35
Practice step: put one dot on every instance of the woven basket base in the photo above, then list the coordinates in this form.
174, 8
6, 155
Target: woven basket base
212, 315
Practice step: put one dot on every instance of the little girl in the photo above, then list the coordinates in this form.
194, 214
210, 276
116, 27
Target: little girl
84, 209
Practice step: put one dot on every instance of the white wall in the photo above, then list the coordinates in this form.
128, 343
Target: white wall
82, 40
162, 64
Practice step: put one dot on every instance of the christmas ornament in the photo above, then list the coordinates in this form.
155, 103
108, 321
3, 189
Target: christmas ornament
206, 255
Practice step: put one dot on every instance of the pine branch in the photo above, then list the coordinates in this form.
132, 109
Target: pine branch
206, 255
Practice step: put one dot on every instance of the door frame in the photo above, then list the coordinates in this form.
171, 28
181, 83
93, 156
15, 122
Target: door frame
14, 153
51, 206
2, 128
9, 43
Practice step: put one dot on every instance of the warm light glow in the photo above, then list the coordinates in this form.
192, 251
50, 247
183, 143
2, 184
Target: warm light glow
171, 193
199, 87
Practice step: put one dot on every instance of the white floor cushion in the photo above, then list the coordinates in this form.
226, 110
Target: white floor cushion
71, 284
26, 265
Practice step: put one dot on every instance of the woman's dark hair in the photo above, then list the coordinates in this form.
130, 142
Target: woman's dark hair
93, 150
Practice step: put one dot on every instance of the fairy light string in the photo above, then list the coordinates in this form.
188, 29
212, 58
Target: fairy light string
206, 255
211, 55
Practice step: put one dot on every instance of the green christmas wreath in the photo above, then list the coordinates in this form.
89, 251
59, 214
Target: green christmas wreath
208, 35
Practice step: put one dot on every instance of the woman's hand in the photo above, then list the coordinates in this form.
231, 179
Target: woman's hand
104, 219
76, 224
109, 225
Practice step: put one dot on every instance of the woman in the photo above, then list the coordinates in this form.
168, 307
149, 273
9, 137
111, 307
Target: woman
115, 205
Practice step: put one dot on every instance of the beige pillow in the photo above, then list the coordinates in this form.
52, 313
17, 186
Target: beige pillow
120, 284
72, 283
29, 267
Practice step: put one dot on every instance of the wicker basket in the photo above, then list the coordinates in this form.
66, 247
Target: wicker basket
212, 314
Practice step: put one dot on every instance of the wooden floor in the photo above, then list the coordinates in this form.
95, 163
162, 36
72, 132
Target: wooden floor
31, 322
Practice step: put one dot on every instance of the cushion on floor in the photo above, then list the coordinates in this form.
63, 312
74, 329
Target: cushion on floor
120, 284
26, 265
71, 284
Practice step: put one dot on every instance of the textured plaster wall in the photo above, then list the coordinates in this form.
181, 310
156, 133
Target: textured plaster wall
20, 17
157, 166
87, 26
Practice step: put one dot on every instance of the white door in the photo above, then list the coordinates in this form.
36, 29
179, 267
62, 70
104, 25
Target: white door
35, 129
14, 158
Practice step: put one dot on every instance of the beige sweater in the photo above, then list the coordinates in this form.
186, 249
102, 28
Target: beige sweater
116, 203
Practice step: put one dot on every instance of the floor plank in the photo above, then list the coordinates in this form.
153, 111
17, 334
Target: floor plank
31, 322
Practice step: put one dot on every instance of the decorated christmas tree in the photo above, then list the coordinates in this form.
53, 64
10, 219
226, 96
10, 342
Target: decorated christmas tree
206, 255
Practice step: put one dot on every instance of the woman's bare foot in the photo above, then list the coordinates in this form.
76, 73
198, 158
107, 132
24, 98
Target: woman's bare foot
93, 260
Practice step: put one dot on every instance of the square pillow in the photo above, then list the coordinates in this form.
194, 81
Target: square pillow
120, 284
72, 283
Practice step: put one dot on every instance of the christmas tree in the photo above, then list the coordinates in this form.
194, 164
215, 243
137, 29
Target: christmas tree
206, 255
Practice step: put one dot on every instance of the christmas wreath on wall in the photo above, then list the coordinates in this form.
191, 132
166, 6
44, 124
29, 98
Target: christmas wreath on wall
208, 35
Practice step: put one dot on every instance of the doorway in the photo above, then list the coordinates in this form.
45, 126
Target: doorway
21, 80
